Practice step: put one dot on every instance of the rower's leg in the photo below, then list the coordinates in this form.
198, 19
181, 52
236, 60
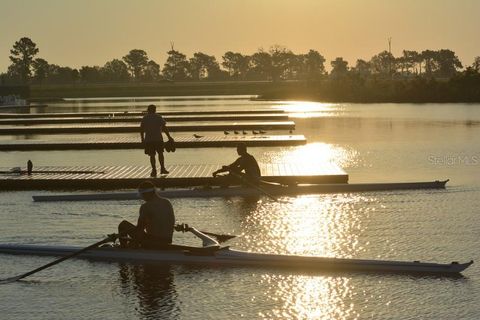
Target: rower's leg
128, 234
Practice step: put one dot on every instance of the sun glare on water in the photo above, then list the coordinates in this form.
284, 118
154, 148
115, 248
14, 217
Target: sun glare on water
306, 109
328, 225
317, 158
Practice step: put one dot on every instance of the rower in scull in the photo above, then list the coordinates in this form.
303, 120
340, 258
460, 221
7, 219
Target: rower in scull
245, 166
156, 222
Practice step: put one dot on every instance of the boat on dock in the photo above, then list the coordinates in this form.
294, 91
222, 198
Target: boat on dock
12, 101
216, 256
245, 191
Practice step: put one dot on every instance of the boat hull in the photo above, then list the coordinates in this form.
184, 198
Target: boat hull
229, 257
246, 191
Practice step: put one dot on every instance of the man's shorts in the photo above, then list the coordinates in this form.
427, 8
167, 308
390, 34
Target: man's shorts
151, 147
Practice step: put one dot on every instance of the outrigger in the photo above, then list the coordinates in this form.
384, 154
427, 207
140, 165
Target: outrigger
212, 254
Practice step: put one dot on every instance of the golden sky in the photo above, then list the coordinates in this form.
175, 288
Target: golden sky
91, 32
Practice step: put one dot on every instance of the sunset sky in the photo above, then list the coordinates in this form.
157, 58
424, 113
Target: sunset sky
91, 32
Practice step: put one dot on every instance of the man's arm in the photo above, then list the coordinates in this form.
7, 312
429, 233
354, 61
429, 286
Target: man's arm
222, 169
235, 164
165, 129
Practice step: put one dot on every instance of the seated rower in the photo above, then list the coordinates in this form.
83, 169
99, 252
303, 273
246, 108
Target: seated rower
156, 222
246, 162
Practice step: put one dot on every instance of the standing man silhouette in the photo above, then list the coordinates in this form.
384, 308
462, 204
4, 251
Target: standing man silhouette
151, 129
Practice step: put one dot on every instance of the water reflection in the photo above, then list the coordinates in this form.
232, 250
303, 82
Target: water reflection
326, 225
307, 106
315, 157
306, 297
154, 288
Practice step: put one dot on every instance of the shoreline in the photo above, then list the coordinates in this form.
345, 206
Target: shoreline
334, 91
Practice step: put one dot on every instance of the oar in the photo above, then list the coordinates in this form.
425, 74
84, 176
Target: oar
220, 237
110, 238
253, 185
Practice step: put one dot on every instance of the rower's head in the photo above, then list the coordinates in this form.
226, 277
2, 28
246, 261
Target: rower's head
146, 190
151, 108
241, 149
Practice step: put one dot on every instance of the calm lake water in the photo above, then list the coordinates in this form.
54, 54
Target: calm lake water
372, 142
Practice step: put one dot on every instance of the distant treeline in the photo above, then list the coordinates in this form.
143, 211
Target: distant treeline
415, 76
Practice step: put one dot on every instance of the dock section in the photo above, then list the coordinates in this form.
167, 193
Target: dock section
138, 119
128, 128
121, 177
230, 140
132, 113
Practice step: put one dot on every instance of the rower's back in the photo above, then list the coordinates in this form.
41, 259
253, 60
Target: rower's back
159, 219
250, 165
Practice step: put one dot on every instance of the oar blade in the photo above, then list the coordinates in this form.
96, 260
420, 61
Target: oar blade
11, 280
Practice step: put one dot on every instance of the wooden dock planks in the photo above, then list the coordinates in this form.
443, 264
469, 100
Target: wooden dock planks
120, 177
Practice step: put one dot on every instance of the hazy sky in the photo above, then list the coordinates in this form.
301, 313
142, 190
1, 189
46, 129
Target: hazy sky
92, 32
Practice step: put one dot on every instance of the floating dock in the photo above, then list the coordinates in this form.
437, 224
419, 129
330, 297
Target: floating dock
127, 128
121, 177
132, 113
230, 140
138, 119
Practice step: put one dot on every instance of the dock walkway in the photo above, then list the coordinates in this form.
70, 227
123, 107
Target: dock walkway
120, 177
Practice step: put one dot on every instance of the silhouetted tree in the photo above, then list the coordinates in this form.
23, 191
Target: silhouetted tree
261, 66
339, 68
280, 58
59, 75
362, 68
314, 64
429, 62
115, 70
152, 71
176, 66
136, 61
236, 64
90, 74
409, 60
476, 64
202, 66
22, 54
383, 64
40, 70
448, 63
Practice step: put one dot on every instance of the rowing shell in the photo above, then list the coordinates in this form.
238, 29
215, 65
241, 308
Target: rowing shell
246, 191
215, 256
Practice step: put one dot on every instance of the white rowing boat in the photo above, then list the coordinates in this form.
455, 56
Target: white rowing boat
275, 190
224, 256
